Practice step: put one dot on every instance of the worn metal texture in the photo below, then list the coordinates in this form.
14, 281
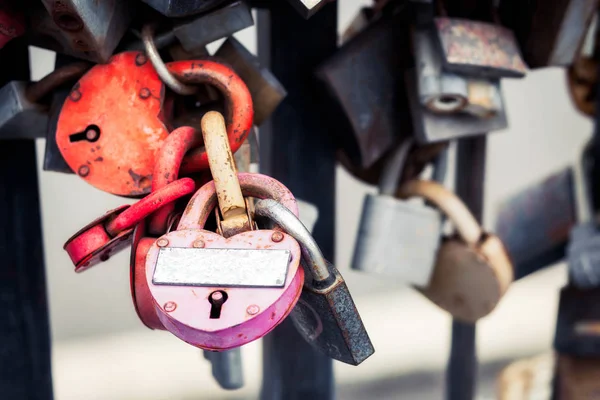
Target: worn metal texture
19, 117
206, 28
397, 239
12, 21
326, 315
307, 8
431, 128
582, 81
84, 29
365, 76
549, 32
267, 92
535, 223
112, 232
221, 267
583, 255
328, 319
227, 368
577, 378
479, 49
577, 326
183, 8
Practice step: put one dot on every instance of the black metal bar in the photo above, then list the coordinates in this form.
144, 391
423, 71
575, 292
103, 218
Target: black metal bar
461, 375
297, 149
24, 328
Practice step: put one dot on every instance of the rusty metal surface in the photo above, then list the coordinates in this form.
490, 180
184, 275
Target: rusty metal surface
578, 323
60, 76
182, 8
84, 29
479, 48
366, 79
534, 224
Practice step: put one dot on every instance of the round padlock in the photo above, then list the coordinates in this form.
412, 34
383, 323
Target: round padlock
245, 312
113, 122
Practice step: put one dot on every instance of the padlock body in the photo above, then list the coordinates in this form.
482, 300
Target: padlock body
249, 312
583, 256
20, 118
577, 327
227, 368
397, 239
327, 318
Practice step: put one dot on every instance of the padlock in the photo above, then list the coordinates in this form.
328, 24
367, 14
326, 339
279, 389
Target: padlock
82, 29
308, 8
578, 322
22, 113
397, 239
183, 8
549, 33
534, 224
112, 232
472, 271
479, 49
227, 368
325, 315
267, 93
365, 78
206, 28
12, 21
583, 250
115, 151
221, 292
577, 378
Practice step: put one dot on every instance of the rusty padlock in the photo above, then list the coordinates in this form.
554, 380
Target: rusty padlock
325, 315
113, 122
472, 270
215, 292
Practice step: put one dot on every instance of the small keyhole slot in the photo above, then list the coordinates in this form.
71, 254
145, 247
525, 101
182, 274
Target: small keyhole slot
217, 299
91, 134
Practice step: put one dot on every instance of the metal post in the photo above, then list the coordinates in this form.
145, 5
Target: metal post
297, 149
461, 376
24, 329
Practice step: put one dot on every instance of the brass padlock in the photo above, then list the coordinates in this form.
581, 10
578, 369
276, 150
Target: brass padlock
473, 269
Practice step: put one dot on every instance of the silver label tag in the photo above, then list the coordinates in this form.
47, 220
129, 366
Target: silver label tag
221, 267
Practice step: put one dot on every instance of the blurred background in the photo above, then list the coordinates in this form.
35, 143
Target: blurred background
102, 351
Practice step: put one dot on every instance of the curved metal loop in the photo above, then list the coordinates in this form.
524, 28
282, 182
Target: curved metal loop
161, 69
60, 76
290, 224
450, 204
388, 184
149, 204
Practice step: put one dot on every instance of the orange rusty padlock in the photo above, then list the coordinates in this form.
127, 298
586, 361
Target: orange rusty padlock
112, 124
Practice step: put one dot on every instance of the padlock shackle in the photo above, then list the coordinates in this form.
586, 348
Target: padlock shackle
290, 224
239, 111
55, 79
259, 186
388, 184
450, 204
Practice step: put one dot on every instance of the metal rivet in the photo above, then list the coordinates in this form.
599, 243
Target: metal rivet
162, 242
83, 171
92, 134
140, 59
170, 306
277, 237
253, 309
75, 95
199, 244
144, 93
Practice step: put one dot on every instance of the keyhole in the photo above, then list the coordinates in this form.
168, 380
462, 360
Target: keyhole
91, 134
217, 299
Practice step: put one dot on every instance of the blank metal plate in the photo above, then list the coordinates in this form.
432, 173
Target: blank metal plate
221, 267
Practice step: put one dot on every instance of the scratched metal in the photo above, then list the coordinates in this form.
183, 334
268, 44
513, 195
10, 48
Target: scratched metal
221, 267
479, 48
578, 323
534, 225
19, 117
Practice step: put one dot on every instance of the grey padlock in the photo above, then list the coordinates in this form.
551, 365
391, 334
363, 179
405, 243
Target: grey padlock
227, 368
22, 115
267, 92
397, 239
90, 30
325, 314
583, 250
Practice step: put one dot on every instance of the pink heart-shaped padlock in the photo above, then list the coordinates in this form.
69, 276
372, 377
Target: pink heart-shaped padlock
244, 313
